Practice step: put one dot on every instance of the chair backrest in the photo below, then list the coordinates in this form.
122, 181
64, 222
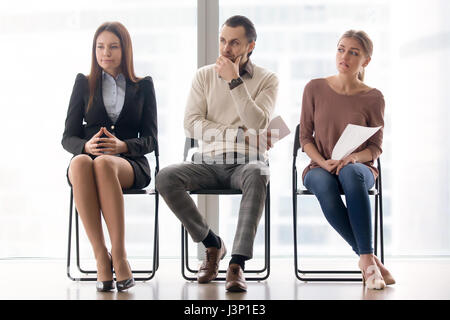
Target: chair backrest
296, 140
156, 156
156, 148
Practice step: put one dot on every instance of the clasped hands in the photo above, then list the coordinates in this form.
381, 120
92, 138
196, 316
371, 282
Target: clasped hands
110, 144
334, 166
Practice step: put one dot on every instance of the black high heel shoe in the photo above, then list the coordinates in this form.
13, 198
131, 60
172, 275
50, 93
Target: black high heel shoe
105, 286
127, 283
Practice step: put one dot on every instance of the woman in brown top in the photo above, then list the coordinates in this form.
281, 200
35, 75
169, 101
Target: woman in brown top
330, 104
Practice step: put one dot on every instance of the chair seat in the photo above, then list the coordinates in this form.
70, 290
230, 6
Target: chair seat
216, 191
139, 191
263, 273
372, 192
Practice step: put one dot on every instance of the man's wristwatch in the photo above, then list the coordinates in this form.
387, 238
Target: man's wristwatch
235, 82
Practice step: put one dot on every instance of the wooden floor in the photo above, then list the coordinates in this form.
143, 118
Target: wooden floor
46, 279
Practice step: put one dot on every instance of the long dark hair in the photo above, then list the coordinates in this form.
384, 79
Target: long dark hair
127, 56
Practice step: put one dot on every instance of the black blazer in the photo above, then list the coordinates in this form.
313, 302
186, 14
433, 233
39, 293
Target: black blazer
136, 125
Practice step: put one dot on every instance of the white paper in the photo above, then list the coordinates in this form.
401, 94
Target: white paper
352, 137
278, 129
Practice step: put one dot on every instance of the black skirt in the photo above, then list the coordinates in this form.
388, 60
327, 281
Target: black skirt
141, 178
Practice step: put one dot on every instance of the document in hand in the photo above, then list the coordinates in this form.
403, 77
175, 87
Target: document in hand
352, 137
278, 129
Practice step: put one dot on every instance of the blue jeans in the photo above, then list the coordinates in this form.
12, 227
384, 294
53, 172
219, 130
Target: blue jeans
353, 222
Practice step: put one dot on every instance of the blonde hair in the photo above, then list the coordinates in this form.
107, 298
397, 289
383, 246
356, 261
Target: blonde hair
365, 42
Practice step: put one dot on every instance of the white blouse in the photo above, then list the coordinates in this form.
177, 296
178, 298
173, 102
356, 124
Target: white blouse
113, 90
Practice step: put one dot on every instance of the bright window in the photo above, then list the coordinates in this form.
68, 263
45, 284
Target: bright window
297, 40
45, 44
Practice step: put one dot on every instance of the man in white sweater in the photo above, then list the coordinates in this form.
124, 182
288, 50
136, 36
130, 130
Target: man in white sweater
227, 100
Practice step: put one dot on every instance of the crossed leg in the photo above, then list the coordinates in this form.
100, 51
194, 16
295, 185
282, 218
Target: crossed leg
97, 188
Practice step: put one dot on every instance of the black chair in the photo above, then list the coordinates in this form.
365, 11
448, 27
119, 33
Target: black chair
377, 192
192, 143
151, 272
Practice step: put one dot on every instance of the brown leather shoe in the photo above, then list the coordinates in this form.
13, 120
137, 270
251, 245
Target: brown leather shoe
210, 267
235, 279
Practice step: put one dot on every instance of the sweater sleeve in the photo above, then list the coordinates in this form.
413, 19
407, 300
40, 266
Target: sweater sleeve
307, 117
73, 137
195, 123
376, 119
256, 113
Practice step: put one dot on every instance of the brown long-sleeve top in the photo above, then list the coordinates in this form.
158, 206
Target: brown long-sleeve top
326, 113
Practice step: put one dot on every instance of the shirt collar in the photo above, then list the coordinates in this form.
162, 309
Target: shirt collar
247, 68
120, 76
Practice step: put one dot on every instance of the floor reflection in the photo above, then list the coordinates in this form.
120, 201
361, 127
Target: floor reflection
84, 291
216, 291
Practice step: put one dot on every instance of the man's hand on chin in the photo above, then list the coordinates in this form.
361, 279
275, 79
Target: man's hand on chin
227, 69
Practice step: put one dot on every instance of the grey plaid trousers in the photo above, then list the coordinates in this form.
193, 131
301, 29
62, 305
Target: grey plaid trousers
251, 178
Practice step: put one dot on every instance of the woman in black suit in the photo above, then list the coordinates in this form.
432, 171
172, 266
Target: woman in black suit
111, 124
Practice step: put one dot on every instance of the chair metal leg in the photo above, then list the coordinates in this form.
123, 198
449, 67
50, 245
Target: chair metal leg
77, 241
381, 229
185, 256
70, 237
380, 199
94, 272
185, 251
299, 271
294, 216
376, 227
156, 236
267, 235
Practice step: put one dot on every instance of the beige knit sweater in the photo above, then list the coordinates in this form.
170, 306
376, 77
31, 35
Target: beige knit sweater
214, 112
